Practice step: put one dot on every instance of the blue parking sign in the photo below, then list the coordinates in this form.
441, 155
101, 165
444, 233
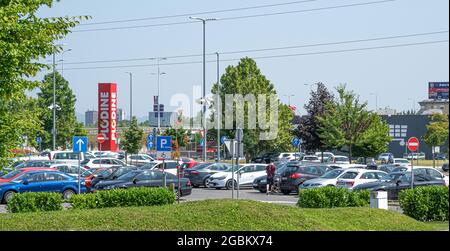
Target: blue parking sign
296, 142
164, 144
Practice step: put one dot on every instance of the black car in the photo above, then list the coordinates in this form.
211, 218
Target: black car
145, 178
387, 168
296, 174
441, 156
265, 158
260, 183
395, 182
112, 174
199, 174
445, 167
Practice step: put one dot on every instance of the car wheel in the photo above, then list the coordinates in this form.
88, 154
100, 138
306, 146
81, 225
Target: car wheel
285, 192
206, 183
67, 194
229, 185
8, 196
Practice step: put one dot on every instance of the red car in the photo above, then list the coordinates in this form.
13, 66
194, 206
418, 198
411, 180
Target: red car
16, 173
189, 163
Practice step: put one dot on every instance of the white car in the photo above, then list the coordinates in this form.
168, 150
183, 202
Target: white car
247, 174
356, 177
327, 156
347, 166
102, 163
139, 159
171, 166
66, 156
330, 178
310, 158
72, 170
338, 159
401, 162
289, 156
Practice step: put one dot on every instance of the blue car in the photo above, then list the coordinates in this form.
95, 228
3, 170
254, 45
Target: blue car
41, 181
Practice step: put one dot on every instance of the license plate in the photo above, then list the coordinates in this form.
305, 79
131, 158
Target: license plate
284, 178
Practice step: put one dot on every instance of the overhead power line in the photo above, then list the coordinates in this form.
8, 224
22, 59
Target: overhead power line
269, 57
264, 49
199, 13
238, 17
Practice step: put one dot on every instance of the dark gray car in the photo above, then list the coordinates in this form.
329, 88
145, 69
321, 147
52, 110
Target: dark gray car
199, 174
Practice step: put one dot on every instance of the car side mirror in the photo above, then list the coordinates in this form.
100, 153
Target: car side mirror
135, 181
398, 182
25, 182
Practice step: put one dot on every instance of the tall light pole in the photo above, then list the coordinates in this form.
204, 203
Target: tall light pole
204, 20
158, 60
62, 61
376, 100
289, 97
413, 105
131, 96
219, 111
54, 99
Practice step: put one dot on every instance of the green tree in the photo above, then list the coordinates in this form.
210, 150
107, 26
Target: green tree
346, 123
374, 141
66, 120
133, 136
437, 133
309, 124
246, 78
25, 38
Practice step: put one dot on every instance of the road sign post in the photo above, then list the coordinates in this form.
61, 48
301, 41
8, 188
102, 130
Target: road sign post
413, 146
100, 140
239, 138
296, 144
164, 149
79, 145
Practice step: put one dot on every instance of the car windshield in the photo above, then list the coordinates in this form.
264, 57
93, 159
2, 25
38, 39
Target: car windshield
281, 168
129, 176
310, 158
341, 159
401, 161
86, 173
400, 169
201, 166
332, 174
390, 177
11, 174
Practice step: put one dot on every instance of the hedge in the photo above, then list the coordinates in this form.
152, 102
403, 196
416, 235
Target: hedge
425, 203
35, 202
330, 197
132, 197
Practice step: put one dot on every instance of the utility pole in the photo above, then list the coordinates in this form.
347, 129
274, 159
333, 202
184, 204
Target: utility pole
131, 96
54, 99
219, 111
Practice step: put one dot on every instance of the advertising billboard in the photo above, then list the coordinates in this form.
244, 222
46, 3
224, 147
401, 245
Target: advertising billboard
438, 90
107, 115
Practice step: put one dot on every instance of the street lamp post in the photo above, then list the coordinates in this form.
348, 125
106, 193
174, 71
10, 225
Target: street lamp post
204, 20
289, 97
376, 101
62, 61
131, 95
158, 60
54, 99
219, 111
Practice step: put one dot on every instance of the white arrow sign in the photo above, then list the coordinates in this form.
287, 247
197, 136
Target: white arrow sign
80, 143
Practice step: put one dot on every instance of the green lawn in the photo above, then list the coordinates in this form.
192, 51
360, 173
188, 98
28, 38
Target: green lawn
215, 215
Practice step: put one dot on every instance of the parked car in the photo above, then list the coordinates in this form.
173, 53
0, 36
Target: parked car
395, 182
260, 183
101, 163
66, 156
41, 181
310, 158
112, 173
139, 159
347, 166
338, 159
445, 167
37, 163
415, 156
247, 174
356, 177
290, 156
199, 174
188, 163
295, 174
265, 158
146, 178
169, 166
401, 162
18, 172
387, 168
385, 157
72, 170
440, 156
330, 178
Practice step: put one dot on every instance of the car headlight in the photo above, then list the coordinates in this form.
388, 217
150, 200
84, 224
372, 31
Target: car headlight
219, 178
315, 185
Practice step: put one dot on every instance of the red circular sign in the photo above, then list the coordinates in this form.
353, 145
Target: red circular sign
100, 138
413, 144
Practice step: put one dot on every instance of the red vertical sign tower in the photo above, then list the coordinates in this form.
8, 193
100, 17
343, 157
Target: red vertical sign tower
107, 115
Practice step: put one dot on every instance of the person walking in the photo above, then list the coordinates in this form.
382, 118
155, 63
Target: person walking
270, 171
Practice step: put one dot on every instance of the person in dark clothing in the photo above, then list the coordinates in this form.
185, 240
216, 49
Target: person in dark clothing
270, 171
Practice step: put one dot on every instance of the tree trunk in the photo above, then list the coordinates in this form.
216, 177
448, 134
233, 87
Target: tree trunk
350, 153
321, 161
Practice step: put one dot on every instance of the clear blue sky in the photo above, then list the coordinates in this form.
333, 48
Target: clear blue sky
397, 75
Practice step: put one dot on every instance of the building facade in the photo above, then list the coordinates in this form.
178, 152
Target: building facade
428, 107
121, 115
91, 118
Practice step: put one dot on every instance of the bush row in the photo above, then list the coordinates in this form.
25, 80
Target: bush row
425, 203
133, 197
35, 202
41, 202
329, 197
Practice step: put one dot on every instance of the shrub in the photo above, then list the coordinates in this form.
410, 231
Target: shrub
35, 202
329, 197
425, 203
133, 197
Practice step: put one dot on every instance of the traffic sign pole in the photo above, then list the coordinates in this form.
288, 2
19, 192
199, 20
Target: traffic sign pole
413, 146
79, 176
